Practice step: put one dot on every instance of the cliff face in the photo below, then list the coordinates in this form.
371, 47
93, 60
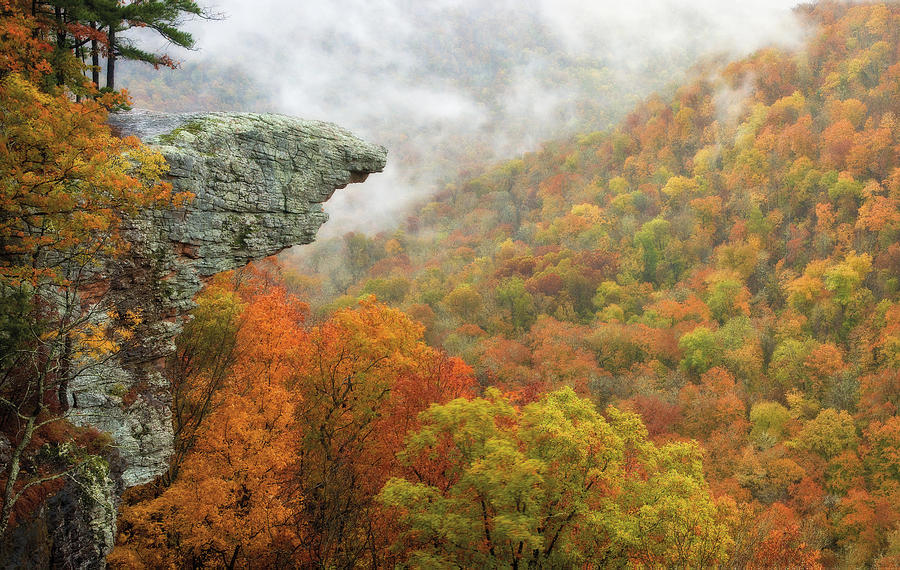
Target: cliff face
259, 182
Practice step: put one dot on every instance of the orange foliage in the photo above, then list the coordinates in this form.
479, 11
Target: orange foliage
783, 545
304, 434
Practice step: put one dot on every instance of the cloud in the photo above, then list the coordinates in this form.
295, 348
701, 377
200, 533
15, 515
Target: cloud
651, 28
450, 82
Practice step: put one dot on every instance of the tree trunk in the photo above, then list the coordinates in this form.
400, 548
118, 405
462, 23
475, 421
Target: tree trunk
79, 53
111, 58
234, 557
60, 43
12, 475
62, 391
95, 60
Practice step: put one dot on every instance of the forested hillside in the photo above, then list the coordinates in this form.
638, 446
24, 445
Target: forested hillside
725, 263
674, 343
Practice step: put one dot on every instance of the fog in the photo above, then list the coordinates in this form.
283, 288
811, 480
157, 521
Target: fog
447, 85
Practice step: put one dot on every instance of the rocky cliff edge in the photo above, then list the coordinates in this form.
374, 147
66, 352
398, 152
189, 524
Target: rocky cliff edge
259, 182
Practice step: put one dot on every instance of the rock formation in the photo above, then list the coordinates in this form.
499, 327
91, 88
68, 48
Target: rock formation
259, 182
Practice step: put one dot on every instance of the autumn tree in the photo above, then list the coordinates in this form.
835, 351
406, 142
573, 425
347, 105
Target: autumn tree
206, 351
362, 379
774, 539
62, 28
232, 500
712, 405
286, 432
38, 43
551, 484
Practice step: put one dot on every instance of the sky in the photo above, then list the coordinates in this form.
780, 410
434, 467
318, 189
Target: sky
449, 84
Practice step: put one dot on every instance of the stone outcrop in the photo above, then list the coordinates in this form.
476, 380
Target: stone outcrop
259, 182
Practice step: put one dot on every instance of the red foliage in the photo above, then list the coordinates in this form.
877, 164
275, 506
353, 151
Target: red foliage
660, 417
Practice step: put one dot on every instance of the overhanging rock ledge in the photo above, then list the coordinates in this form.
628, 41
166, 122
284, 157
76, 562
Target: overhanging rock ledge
259, 181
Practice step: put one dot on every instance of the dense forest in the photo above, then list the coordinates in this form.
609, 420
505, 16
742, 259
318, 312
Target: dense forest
727, 272
674, 343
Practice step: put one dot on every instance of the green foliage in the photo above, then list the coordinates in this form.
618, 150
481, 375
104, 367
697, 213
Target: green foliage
787, 362
769, 422
213, 326
162, 16
387, 290
517, 302
828, 434
464, 302
361, 253
652, 239
701, 350
844, 279
16, 321
547, 485
724, 298
845, 187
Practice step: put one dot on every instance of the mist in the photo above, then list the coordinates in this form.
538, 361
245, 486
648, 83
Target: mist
450, 85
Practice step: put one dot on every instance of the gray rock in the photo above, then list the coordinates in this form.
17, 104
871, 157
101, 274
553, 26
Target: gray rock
259, 182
